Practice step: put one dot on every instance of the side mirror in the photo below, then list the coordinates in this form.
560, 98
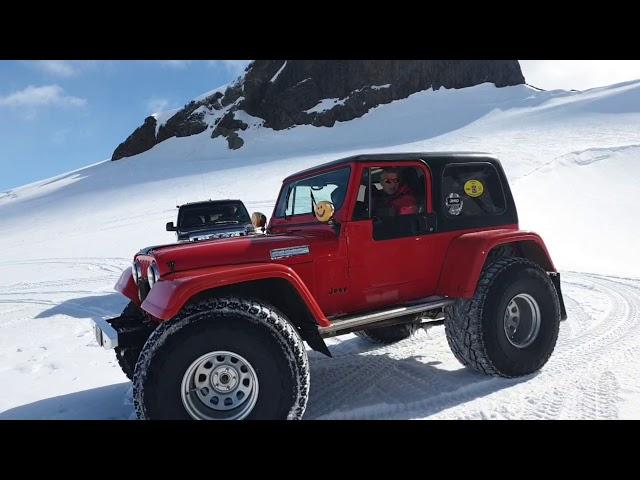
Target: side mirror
170, 227
258, 220
324, 211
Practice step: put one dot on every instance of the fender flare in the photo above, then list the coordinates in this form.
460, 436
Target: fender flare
126, 286
169, 295
468, 253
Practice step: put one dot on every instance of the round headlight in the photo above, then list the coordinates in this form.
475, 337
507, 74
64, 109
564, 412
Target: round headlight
136, 271
153, 275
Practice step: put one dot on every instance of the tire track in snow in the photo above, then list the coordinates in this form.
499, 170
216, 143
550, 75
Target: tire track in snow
67, 293
578, 382
419, 377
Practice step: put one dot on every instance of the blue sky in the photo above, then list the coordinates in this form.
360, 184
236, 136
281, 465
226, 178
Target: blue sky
57, 116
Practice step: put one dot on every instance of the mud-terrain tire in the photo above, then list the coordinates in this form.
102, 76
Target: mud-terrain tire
183, 365
127, 356
389, 335
510, 326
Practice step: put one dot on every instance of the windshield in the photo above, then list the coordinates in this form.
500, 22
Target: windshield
297, 197
204, 215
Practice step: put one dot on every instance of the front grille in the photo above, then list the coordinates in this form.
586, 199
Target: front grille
143, 284
143, 289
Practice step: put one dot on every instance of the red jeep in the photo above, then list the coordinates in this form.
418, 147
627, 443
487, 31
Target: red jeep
371, 244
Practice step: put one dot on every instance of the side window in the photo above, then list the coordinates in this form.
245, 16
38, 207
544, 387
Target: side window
300, 200
395, 198
472, 190
298, 197
390, 192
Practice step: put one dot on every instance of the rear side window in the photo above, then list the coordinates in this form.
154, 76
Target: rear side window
472, 190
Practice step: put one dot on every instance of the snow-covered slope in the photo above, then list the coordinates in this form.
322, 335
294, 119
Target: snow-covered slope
544, 140
572, 159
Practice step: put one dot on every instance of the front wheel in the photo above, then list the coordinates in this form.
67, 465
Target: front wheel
510, 327
223, 359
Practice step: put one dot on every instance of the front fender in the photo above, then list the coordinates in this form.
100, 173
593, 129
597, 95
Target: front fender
126, 286
468, 252
168, 296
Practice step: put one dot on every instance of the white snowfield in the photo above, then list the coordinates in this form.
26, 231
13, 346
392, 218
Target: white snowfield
573, 160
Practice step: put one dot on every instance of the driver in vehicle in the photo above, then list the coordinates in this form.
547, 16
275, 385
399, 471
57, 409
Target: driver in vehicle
395, 198
229, 212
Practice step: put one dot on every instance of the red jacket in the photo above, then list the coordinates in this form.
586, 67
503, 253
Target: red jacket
402, 203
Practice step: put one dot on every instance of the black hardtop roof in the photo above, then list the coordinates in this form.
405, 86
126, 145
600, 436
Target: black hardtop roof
440, 157
208, 202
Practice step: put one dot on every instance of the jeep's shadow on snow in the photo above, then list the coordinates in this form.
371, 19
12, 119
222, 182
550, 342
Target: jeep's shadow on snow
377, 385
102, 403
93, 307
376, 245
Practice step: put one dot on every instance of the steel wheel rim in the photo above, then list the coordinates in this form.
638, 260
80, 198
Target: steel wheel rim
521, 320
219, 385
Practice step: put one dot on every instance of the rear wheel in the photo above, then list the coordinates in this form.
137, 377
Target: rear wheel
510, 327
223, 359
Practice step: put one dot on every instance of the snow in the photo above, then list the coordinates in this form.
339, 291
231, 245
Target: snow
220, 89
329, 103
250, 120
275, 77
325, 104
572, 160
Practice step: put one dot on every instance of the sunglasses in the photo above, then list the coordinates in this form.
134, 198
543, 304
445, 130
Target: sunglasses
389, 181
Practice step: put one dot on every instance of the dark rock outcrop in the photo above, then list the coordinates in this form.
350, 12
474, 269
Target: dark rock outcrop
184, 123
142, 139
286, 93
302, 84
228, 127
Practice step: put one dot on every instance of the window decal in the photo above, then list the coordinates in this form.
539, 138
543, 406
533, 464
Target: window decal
473, 188
454, 204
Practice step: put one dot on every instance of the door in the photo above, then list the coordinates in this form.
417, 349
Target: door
389, 238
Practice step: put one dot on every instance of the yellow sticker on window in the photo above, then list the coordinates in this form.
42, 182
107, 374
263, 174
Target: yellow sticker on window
473, 188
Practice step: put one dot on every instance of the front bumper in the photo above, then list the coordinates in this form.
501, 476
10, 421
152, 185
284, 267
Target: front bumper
106, 335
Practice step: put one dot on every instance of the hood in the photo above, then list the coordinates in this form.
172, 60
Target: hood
231, 251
